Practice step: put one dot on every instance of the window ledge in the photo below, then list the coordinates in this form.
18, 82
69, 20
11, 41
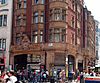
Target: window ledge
1, 5
3, 27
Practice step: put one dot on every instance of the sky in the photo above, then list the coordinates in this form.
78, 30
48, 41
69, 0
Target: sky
93, 6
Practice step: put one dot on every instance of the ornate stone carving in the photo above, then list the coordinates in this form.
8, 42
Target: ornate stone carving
25, 43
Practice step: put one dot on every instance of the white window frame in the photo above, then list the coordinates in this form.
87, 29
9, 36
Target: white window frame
3, 44
3, 21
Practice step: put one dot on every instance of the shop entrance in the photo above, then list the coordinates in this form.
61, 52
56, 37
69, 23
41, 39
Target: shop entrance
71, 62
20, 61
80, 66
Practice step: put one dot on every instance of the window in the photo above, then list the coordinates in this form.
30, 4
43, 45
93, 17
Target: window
35, 18
36, 1
50, 35
24, 20
64, 14
3, 1
72, 38
18, 20
73, 5
18, 39
41, 36
63, 35
78, 16
25, 4
42, 1
3, 20
35, 37
51, 14
58, 14
57, 35
19, 4
42, 17
3, 44
73, 22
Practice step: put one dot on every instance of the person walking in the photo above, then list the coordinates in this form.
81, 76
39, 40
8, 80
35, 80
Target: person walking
12, 77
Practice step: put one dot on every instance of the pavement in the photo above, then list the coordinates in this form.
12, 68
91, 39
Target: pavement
59, 82
73, 81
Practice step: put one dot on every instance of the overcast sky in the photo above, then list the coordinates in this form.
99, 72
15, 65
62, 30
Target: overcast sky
93, 6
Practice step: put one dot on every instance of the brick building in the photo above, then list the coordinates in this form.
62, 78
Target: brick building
47, 34
89, 39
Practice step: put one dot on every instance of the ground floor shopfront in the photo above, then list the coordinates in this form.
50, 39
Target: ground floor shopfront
48, 58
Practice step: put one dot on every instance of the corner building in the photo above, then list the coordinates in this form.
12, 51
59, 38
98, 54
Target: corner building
47, 34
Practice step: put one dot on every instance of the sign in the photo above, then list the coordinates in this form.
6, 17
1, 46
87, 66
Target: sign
36, 58
34, 66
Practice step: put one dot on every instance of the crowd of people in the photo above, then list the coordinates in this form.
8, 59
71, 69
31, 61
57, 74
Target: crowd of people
36, 76
8, 77
79, 76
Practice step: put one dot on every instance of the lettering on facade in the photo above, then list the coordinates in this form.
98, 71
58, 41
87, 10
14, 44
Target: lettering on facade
34, 59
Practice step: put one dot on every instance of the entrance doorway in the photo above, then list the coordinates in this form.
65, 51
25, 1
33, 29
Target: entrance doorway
80, 66
20, 61
71, 62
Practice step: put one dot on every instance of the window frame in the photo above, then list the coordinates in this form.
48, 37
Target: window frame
41, 36
3, 22
3, 1
53, 35
42, 17
36, 17
3, 43
35, 36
